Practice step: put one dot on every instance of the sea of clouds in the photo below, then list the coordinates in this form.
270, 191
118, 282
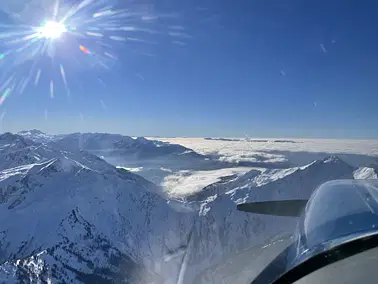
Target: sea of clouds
267, 153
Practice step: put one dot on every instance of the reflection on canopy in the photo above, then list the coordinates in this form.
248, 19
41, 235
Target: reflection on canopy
338, 213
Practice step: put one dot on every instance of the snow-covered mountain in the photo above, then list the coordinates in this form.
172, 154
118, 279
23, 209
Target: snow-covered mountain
68, 216
113, 145
77, 217
37, 136
81, 254
151, 158
15, 150
116, 145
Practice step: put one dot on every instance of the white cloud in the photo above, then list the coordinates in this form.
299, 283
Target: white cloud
304, 151
184, 183
362, 147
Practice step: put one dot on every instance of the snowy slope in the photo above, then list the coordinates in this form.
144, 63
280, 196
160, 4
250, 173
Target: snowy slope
80, 255
39, 194
366, 173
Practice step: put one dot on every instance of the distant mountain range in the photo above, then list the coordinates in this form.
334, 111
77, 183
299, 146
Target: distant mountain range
115, 145
151, 157
111, 144
251, 140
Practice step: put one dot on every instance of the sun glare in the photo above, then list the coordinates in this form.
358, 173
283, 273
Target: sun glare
51, 29
93, 29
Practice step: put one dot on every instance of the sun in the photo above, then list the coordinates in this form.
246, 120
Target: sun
51, 29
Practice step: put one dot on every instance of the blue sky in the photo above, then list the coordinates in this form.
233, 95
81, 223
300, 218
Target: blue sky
287, 68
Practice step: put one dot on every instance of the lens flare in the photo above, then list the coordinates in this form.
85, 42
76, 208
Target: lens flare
84, 49
51, 29
51, 54
4, 96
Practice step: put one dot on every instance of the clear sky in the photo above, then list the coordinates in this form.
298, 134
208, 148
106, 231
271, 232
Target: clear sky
271, 68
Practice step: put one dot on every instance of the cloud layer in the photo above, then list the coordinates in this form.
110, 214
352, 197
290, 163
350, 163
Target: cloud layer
244, 150
265, 155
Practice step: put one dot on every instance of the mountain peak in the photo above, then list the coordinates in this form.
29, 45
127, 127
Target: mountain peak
36, 135
142, 140
332, 159
32, 131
